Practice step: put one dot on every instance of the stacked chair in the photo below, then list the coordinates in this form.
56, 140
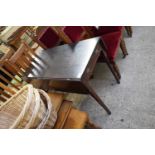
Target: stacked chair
15, 39
112, 37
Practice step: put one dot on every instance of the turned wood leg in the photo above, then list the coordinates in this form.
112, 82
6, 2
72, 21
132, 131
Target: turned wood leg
111, 68
123, 48
116, 69
129, 30
95, 96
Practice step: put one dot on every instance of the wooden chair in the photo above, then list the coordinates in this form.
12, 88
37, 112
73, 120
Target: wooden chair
112, 36
45, 37
68, 116
9, 84
23, 58
10, 75
15, 39
70, 34
77, 33
129, 30
8, 52
21, 61
61, 34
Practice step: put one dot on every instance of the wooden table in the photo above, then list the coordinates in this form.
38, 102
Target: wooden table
69, 67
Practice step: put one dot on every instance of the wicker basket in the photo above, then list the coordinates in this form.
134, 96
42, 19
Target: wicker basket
28, 108
13, 110
35, 113
51, 115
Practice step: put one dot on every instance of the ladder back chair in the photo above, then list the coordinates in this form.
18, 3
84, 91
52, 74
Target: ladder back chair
23, 58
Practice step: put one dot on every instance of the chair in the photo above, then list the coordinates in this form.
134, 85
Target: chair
106, 32
46, 37
97, 30
11, 75
70, 34
113, 39
68, 117
15, 39
76, 33
61, 34
7, 52
23, 58
20, 62
8, 79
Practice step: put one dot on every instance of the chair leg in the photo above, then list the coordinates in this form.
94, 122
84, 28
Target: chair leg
129, 30
90, 125
116, 69
123, 48
112, 69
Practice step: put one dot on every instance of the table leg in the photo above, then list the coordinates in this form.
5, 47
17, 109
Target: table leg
95, 96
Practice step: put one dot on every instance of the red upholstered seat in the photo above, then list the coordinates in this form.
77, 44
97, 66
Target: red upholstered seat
108, 29
111, 35
49, 38
112, 42
74, 32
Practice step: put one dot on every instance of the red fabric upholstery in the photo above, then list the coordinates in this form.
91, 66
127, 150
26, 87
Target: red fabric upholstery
74, 32
111, 35
108, 29
49, 38
101, 30
112, 42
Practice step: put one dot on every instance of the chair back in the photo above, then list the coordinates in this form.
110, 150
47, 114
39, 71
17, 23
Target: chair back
10, 81
76, 33
23, 59
109, 29
48, 38
61, 34
16, 38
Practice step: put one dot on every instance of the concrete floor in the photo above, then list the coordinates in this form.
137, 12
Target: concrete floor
133, 101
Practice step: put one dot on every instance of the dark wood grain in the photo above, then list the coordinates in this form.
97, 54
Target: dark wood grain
68, 61
69, 67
